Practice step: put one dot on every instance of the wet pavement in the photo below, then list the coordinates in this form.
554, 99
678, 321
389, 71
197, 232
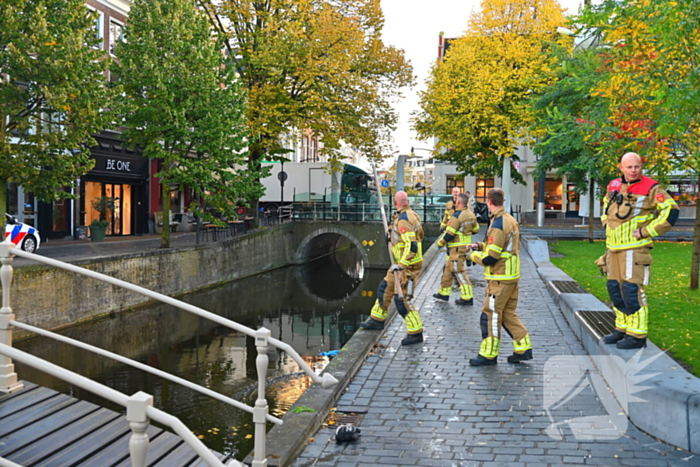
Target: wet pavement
424, 405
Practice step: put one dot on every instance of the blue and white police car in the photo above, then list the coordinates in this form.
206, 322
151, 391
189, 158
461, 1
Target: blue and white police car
24, 236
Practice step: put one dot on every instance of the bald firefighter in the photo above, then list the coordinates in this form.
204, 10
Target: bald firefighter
501, 261
449, 209
636, 209
457, 237
406, 237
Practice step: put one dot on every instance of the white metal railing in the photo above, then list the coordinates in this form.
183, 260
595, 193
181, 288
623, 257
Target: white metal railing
9, 382
358, 212
139, 410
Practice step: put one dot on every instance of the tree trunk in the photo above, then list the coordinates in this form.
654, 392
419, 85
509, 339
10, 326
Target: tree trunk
254, 163
3, 204
695, 266
165, 202
591, 213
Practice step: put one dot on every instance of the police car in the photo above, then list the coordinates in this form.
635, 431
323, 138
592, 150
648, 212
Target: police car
24, 236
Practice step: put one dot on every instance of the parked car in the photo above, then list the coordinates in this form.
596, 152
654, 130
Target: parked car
24, 236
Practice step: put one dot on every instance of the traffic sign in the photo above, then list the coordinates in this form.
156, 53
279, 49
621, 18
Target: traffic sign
385, 183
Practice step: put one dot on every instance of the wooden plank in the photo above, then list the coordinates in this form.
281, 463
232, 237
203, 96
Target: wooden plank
182, 455
61, 439
30, 414
158, 448
24, 400
94, 442
27, 387
116, 452
45, 426
201, 463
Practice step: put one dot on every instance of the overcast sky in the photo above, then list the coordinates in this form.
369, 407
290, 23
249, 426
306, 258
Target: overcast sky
414, 26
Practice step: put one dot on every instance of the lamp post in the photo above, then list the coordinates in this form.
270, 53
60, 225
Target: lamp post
420, 187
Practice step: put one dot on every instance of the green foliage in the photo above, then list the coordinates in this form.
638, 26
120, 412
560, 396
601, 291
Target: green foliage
318, 65
103, 205
184, 106
52, 95
673, 323
476, 100
301, 409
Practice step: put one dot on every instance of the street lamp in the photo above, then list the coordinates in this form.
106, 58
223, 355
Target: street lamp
420, 187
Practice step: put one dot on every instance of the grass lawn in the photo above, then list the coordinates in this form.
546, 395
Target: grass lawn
674, 309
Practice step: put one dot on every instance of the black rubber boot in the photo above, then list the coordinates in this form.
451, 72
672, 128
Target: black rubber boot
480, 360
469, 302
614, 337
441, 297
520, 357
630, 342
372, 323
411, 339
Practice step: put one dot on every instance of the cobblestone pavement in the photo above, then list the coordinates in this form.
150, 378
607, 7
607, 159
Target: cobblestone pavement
424, 405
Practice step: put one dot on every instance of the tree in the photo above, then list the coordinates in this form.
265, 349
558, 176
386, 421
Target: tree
183, 105
653, 80
313, 64
52, 95
476, 100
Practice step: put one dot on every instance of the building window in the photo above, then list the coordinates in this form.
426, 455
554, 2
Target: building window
304, 149
455, 181
116, 35
98, 27
314, 149
483, 185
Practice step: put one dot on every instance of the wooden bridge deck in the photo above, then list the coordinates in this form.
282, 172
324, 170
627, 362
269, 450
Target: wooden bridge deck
41, 427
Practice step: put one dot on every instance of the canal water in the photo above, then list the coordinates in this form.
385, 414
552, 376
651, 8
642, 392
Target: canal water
314, 308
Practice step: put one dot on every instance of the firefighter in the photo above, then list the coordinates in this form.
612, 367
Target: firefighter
501, 261
449, 209
635, 209
406, 237
457, 237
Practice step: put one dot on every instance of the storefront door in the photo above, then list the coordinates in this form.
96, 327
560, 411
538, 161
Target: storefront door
121, 219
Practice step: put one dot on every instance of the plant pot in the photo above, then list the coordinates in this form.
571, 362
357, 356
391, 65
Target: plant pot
97, 234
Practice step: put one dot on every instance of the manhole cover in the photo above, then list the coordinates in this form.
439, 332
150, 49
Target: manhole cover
568, 287
601, 323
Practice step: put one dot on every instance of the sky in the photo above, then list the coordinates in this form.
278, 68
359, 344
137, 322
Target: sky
414, 26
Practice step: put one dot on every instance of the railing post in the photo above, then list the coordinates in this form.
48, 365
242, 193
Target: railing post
8, 377
363, 212
136, 408
260, 411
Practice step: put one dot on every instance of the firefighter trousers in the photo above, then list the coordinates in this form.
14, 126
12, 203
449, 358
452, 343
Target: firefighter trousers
499, 310
629, 271
386, 292
455, 267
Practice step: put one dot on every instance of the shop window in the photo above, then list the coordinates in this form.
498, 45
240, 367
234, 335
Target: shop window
553, 195
483, 185
684, 192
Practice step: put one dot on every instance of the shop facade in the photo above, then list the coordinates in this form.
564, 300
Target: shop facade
122, 174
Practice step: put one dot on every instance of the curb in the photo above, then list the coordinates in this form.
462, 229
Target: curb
670, 409
291, 437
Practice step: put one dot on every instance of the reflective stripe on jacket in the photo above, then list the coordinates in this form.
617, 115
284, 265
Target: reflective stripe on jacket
503, 245
407, 238
459, 230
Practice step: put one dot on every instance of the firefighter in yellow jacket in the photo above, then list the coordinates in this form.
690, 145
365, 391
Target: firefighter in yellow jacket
501, 261
449, 209
636, 209
406, 237
457, 237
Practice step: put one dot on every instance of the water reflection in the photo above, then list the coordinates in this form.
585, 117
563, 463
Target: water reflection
312, 308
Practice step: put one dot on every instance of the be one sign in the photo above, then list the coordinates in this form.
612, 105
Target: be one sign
118, 165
